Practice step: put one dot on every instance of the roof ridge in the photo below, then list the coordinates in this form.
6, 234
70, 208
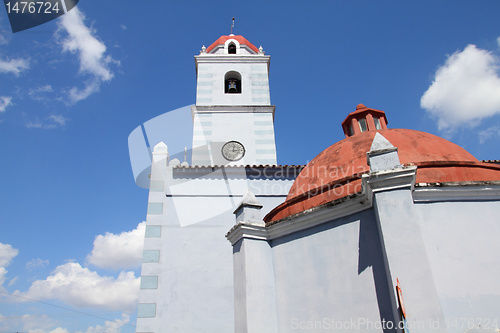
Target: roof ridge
242, 40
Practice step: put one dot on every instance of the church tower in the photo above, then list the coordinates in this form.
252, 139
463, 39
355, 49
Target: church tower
233, 116
187, 277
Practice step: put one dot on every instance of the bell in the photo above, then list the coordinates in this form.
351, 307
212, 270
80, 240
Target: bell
232, 88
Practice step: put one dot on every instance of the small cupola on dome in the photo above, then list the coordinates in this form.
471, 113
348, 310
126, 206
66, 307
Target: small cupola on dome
364, 119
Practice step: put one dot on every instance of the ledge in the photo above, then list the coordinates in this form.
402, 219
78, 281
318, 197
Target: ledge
456, 191
301, 221
251, 230
388, 180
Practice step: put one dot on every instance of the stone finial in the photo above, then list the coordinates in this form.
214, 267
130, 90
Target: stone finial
261, 50
250, 200
160, 153
174, 162
249, 209
382, 155
160, 148
380, 143
203, 49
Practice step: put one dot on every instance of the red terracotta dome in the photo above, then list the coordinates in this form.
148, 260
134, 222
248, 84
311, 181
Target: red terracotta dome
336, 172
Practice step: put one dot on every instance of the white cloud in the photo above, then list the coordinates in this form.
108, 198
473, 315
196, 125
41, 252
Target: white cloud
13, 281
465, 90
110, 326
29, 323
123, 251
3, 37
76, 94
44, 88
51, 122
81, 40
39, 93
34, 124
91, 52
37, 263
498, 41
78, 286
489, 133
56, 330
15, 66
5, 101
43, 324
58, 119
7, 253
3, 273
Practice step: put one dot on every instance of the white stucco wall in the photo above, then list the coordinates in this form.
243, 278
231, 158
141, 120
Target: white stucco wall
254, 80
463, 248
342, 274
331, 277
190, 211
253, 129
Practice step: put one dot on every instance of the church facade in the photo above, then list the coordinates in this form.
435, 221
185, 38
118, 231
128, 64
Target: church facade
187, 270
388, 230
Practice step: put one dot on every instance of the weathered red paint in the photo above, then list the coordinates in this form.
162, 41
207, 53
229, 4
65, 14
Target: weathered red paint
336, 172
366, 113
242, 40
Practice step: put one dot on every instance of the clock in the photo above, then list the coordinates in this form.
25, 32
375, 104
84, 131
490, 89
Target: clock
233, 151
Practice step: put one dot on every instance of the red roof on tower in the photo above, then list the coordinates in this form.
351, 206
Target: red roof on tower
242, 40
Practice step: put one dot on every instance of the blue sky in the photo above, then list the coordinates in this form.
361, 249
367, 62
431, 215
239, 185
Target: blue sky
72, 90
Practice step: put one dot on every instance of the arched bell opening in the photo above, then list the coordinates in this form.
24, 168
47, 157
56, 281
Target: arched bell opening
231, 49
232, 83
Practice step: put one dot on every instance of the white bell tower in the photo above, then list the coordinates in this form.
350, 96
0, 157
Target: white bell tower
233, 119
187, 276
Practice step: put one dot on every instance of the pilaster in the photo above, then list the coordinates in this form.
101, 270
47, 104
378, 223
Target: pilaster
254, 282
402, 244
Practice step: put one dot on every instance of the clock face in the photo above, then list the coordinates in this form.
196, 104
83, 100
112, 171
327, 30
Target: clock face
233, 151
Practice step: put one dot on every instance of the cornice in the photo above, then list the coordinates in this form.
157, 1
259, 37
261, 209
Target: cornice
388, 180
251, 230
302, 221
224, 58
457, 191
233, 108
